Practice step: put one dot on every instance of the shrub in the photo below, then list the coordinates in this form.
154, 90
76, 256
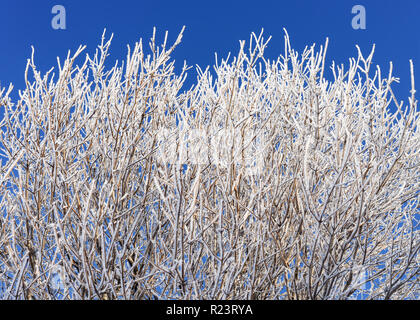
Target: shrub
262, 181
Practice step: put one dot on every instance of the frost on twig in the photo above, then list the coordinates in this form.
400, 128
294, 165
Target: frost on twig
262, 181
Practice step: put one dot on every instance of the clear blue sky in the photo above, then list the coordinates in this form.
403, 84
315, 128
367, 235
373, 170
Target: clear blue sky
210, 26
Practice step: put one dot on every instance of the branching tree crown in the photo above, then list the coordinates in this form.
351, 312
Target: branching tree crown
262, 181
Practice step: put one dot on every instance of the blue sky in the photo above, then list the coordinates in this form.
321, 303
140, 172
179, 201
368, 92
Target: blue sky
210, 26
